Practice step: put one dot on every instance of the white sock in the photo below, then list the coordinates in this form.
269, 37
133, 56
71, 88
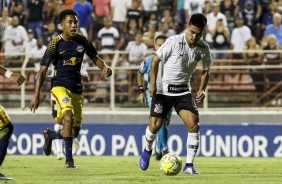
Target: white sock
150, 137
58, 142
192, 146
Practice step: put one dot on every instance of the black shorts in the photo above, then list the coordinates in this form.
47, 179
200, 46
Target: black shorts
161, 104
54, 109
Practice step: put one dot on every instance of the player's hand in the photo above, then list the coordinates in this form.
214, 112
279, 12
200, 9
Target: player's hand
142, 98
200, 96
18, 78
107, 71
34, 103
152, 90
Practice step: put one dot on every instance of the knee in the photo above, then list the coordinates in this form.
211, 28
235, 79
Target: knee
155, 125
68, 116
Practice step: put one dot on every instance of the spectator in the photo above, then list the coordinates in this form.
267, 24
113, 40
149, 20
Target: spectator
137, 50
36, 54
133, 13
193, 6
230, 10
108, 36
69, 4
152, 21
50, 33
250, 17
211, 24
275, 28
239, 37
181, 17
267, 19
129, 34
118, 13
149, 37
57, 8
168, 18
221, 36
35, 17
207, 7
149, 7
84, 11
166, 5
18, 10
102, 10
254, 57
272, 58
165, 30
255, 4
5, 21
13, 39
30, 43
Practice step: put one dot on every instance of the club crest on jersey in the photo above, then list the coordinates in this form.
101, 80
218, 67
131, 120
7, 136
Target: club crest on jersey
65, 100
80, 48
72, 61
158, 108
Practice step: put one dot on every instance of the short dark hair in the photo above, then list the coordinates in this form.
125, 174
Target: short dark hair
66, 12
198, 20
163, 37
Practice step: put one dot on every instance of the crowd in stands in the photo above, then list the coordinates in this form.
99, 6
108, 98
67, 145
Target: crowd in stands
132, 25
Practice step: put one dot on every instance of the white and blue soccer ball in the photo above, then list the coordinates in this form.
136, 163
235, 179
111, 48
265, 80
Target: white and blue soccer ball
170, 164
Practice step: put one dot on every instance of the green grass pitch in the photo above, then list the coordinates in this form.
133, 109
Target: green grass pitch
123, 170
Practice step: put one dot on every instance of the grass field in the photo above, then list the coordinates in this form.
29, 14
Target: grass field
108, 169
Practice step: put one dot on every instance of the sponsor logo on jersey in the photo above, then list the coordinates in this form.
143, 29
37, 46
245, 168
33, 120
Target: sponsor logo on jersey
65, 100
72, 61
158, 108
80, 48
61, 52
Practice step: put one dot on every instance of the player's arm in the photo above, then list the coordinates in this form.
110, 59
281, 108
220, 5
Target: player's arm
102, 65
153, 74
140, 83
203, 85
15, 77
34, 103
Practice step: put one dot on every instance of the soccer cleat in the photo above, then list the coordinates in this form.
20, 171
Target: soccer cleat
158, 155
4, 178
145, 159
70, 164
48, 142
189, 169
165, 152
60, 156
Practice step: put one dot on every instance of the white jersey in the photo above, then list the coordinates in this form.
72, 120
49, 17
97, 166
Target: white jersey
179, 62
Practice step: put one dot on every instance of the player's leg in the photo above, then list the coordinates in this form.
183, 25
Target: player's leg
58, 125
159, 109
63, 99
6, 131
77, 109
163, 135
188, 112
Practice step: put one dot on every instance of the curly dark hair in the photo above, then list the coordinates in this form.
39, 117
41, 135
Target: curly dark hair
66, 12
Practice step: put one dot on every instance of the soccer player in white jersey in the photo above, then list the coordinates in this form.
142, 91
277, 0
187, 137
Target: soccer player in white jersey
179, 55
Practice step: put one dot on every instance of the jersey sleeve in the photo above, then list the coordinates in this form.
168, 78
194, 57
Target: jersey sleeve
207, 58
166, 49
90, 49
144, 67
50, 52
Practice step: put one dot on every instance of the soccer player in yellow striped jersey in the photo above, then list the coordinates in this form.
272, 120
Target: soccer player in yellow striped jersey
6, 127
66, 52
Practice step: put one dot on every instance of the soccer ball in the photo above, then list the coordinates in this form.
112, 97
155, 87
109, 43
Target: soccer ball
170, 164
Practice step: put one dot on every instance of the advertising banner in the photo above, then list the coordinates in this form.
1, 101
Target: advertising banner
128, 140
